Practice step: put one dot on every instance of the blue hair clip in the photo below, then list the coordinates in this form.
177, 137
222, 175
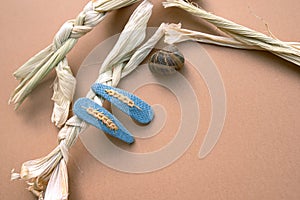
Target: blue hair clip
127, 102
96, 115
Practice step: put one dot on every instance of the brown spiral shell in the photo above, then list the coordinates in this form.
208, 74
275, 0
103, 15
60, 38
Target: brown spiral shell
166, 61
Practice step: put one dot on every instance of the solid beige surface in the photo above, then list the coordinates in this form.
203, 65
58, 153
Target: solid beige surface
257, 156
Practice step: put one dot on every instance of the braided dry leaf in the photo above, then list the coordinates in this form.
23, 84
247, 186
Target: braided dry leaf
57, 187
63, 92
245, 36
175, 34
141, 53
106, 5
129, 39
51, 168
36, 68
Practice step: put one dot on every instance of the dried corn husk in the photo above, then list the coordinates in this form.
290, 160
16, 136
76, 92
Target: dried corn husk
63, 92
175, 34
35, 69
57, 187
240, 36
129, 39
143, 51
52, 169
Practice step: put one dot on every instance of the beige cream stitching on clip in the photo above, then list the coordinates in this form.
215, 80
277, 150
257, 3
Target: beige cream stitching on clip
122, 98
99, 115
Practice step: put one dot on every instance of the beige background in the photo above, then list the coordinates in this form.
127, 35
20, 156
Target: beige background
257, 156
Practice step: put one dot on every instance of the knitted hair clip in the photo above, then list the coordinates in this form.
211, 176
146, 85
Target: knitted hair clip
127, 102
96, 115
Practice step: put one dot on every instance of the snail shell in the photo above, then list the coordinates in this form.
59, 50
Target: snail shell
166, 61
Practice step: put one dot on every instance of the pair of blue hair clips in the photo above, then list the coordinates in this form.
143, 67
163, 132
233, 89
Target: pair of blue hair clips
96, 115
